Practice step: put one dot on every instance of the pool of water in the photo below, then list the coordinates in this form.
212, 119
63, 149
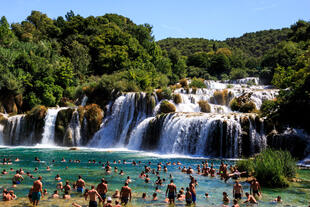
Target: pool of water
296, 195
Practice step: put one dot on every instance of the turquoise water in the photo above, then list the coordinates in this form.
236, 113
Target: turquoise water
297, 195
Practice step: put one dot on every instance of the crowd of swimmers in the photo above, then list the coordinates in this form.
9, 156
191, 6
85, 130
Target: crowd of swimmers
187, 195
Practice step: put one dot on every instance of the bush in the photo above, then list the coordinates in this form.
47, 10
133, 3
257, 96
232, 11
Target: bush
166, 107
198, 83
238, 73
221, 97
243, 104
177, 99
164, 93
204, 106
245, 165
268, 106
271, 168
183, 82
246, 107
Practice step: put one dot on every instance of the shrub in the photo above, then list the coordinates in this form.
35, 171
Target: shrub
268, 106
183, 82
177, 99
245, 165
204, 106
166, 107
271, 168
198, 83
164, 93
238, 73
243, 104
221, 97
244, 107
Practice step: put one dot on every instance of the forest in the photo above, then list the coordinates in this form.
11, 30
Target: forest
51, 62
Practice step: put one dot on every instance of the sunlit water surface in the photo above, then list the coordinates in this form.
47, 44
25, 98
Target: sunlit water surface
296, 195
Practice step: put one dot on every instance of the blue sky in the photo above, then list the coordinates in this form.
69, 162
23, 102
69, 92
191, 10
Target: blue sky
211, 19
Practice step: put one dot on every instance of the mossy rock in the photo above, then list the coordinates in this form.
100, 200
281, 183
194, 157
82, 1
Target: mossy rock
94, 115
183, 82
164, 93
177, 99
35, 123
166, 107
243, 104
204, 106
3, 119
62, 122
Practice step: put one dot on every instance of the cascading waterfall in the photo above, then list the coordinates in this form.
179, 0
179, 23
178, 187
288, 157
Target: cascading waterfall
49, 127
75, 128
221, 133
84, 101
127, 112
133, 121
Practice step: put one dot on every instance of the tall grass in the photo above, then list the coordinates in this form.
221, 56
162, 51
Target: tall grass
271, 168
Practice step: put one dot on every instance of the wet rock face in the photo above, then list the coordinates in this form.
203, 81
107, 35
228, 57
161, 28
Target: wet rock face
62, 122
11, 104
34, 124
93, 115
166, 107
296, 145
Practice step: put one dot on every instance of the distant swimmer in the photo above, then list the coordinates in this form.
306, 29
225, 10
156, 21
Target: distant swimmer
57, 177
55, 194
250, 198
17, 179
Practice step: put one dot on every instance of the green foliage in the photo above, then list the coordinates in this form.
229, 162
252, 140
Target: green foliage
164, 93
166, 107
245, 165
197, 83
272, 168
238, 73
268, 106
6, 35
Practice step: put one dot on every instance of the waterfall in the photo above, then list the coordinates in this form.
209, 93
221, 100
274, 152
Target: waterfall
75, 128
133, 120
127, 112
49, 126
1, 134
84, 101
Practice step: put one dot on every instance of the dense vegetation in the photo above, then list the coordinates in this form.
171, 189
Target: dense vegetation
50, 62
271, 168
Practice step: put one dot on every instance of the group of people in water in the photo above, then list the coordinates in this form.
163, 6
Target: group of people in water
99, 193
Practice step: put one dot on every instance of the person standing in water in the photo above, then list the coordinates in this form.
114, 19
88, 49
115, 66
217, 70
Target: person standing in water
171, 192
80, 184
255, 188
102, 189
125, 194
237, 190
93, 194
37, 191
17, 179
